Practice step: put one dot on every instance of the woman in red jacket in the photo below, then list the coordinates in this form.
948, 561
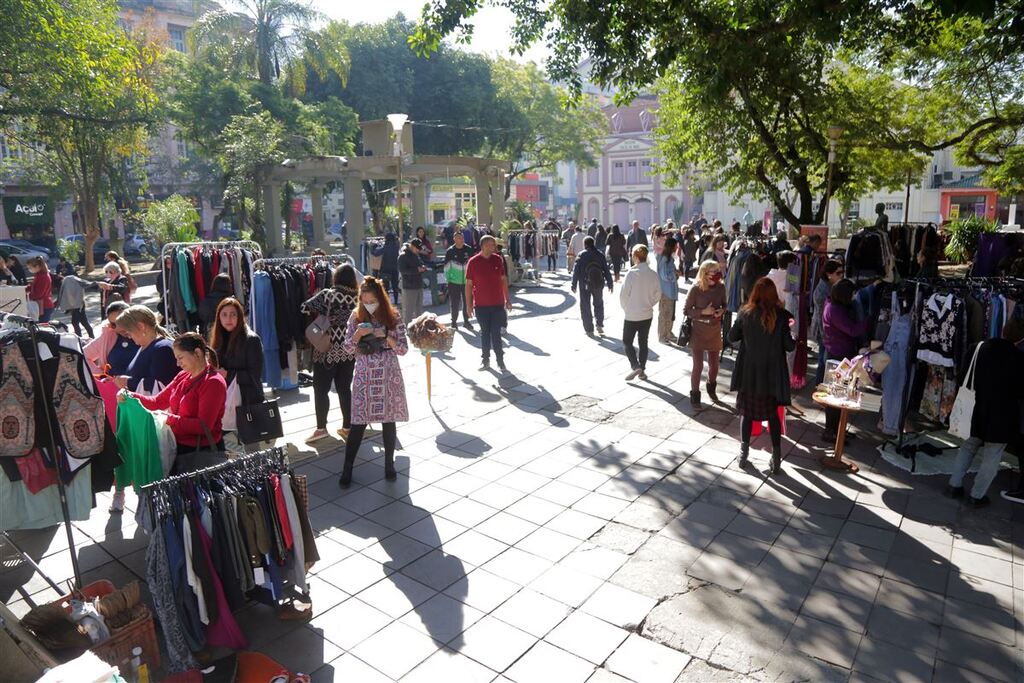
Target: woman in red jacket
41, 289
195, 399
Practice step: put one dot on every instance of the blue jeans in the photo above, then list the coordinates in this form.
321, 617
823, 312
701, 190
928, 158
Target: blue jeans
894, 377
47, 314
991, 455
586, 294
490, 319
819, 374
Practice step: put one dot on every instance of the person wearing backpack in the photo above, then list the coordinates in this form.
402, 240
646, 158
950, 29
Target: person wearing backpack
592, 274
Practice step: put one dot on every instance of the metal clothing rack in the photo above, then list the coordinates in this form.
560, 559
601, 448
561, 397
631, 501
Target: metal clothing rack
37, 379
303, 260
275, 455
171, 247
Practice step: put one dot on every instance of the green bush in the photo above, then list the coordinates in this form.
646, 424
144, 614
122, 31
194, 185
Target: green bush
171, 220
69, 250
963, 237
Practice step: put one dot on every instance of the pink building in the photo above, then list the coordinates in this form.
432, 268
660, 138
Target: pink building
624, 187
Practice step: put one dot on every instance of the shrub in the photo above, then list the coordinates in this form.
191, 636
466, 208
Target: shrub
963, 237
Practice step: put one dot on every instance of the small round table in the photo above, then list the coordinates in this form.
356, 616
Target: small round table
836, 462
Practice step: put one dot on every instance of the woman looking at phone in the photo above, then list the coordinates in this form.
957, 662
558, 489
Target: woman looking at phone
705, 305
375, 335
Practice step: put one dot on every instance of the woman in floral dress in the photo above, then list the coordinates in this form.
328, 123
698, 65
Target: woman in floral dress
376, 336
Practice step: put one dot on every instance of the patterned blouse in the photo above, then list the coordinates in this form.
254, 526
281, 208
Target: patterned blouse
337, 304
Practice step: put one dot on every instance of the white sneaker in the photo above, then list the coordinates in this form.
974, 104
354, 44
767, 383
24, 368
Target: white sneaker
117, 503
632, 375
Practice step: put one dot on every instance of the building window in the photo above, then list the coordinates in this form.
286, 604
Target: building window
182, 147
592, 177
645, 169
4, 149
617, 172
631, 173
177, 36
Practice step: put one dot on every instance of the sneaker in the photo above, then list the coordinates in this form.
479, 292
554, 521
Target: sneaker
318, 435
501, 366
1014, 496
343, 433
485, 364
642, 376
633, 374
600, 331
978, 503
117, 504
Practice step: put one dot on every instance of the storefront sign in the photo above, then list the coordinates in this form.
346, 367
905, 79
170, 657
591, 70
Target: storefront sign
28, 210
954, 212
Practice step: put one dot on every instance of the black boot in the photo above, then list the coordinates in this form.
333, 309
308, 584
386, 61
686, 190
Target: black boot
744, 452
695, 399
389, 467
345, 480
776, 460
712, 390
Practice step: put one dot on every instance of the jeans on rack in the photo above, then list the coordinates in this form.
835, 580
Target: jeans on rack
991, 456
894, 377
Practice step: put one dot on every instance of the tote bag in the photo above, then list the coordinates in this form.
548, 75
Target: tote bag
963, 407
234, 399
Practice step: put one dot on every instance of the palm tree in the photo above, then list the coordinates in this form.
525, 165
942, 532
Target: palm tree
274, 39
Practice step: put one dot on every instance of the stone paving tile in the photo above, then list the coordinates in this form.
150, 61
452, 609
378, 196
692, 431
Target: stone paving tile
831, 643
446, 664
587, 636
906, 630
619, 606
395, 650
532, 612
841, 610
442, 617
887, 662
494, 643
644, 661
990, 659
545, 662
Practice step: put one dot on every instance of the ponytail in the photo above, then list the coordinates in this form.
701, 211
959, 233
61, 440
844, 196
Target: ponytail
192, 342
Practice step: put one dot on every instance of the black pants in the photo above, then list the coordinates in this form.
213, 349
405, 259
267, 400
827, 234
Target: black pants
457, 300
586, 294
78, 318
616, 266
355, 440
340, 375
774, 428
491, 319
832, 415
391, 283
642, 330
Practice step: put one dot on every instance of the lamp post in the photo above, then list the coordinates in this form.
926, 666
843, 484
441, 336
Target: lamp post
834, 132
397, 122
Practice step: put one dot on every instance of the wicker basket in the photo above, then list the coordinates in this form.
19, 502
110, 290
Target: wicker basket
138, 633
440, 343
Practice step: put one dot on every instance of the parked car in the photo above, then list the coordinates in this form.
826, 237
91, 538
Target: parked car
25, 244
136, 245
24, 254
99, 249
336, 233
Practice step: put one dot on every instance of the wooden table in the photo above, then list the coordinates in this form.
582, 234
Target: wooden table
835, 461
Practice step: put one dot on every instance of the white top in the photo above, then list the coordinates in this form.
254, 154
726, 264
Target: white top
639, 293
576, 243
778, 276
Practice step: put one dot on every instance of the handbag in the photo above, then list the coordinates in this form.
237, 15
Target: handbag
318, 333
962, 415
685, 332
199, 459
258, 422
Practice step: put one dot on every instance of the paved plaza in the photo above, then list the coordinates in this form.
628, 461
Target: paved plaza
558, 524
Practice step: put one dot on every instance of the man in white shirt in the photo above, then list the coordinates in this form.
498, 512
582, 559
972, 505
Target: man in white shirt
576, 245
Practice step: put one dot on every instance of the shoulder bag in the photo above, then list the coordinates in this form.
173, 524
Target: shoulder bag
962, 415
258, 422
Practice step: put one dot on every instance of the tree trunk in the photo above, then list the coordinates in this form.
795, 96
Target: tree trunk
91, 213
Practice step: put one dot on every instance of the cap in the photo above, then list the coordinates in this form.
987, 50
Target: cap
416, 242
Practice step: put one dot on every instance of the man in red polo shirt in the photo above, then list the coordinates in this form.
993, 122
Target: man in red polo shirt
487, 295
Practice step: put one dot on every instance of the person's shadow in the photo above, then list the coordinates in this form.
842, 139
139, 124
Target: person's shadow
443, 619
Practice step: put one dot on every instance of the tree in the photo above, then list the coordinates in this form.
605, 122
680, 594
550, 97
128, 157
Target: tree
267, 37
79, 88
250, 142
171, 220
533, 129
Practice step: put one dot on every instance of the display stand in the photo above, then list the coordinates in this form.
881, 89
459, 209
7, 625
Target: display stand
37, 379
836, 462
170, 248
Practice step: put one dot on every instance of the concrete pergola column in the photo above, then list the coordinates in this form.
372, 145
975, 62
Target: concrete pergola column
272, 218
355, 229
483, 199
319, 234
498, 199
419, 205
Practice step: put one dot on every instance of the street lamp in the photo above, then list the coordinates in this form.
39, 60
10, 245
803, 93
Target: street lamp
834, 132
397, 122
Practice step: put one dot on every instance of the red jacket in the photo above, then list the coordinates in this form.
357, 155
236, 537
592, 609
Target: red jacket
190, 404
41, 290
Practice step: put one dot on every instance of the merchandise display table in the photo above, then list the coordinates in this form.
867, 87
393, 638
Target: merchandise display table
836, 462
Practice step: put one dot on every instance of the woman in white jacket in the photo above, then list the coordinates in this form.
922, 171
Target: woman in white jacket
639, 293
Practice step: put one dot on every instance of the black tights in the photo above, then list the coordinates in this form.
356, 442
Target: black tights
774, 428
355, 439
78, 318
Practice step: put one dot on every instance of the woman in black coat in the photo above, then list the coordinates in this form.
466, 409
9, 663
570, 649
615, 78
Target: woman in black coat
220, 289
240, 352
761, 376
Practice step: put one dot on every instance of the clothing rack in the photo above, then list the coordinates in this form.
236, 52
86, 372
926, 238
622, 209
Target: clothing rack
276, 456
303, 260
37, 379
170, 248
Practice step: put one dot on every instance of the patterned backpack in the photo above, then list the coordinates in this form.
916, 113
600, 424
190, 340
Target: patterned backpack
17, 415
80, 414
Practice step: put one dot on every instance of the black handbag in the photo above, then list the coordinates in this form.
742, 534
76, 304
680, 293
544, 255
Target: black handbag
258, 422
685, 332
201, 457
